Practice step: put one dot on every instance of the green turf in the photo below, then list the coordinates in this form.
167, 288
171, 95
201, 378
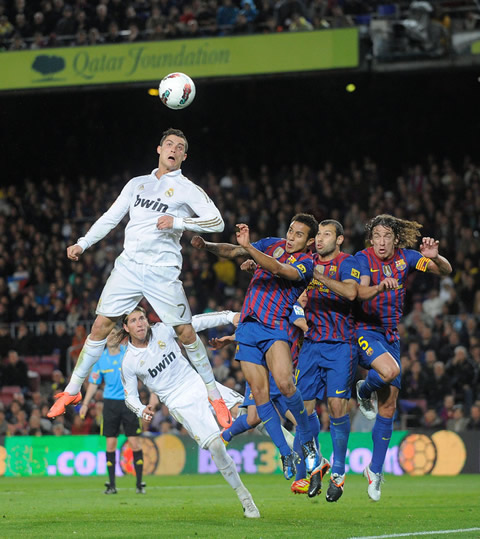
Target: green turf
205, 506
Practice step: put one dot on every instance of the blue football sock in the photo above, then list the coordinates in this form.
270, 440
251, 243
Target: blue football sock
372, 383
381, 434
239, 425
270, 419
314, 424
339, 431
296, 406
301, 468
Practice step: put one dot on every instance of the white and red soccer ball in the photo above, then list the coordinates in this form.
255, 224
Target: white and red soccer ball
176, 91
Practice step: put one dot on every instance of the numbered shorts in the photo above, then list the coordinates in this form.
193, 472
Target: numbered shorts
372, 344
277, 399
326, 365
115, 414
191, 408
130, 282
254, 340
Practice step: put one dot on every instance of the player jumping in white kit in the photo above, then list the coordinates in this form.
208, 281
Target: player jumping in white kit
161, 205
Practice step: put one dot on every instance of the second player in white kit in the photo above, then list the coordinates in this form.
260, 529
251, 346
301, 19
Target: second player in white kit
154, 357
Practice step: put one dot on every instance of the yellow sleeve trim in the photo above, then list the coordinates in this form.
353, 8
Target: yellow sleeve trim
422, 264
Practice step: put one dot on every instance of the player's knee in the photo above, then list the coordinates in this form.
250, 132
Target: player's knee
337, 407
185, 333
387, 409
286, 387
101, 328
390, 372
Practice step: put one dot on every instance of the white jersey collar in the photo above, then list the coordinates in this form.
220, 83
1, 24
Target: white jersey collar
172, 174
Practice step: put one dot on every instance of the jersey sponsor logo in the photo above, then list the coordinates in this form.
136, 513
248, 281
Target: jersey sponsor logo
154, 205
95, 376
278, 252
337, 392
170, 192
387, 271
162, 364
355, 273
400, 264
374, 270
302, 268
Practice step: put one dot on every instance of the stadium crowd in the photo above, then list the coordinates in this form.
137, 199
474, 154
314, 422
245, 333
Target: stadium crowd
47, 303
52, 23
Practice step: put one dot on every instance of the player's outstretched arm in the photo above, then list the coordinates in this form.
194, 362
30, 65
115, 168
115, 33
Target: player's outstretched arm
267, 262
438, 264
224, 250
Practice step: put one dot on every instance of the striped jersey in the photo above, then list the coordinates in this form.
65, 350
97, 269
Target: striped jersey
329, 316
385, 310
145, 199
269, 299
107, 369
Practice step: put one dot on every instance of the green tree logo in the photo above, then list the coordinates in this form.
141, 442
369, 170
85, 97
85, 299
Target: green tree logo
48, 66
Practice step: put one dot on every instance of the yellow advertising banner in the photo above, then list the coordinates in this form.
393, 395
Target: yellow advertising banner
199, 58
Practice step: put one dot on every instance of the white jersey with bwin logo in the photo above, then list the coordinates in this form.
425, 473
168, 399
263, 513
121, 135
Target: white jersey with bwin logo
147, 198
162, 367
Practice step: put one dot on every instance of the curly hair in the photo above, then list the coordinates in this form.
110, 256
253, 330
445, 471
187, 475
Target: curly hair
406, 232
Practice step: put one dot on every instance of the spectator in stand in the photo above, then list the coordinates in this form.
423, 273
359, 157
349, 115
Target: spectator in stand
62, 343
94, 37
430, 420
101, 21
3, 424
113, 34
42, 342
438, 385
6, 341
81, 39
462, 375
458, 422
22, 26
14, 371
226, 17
67, 25
474, 420
446, 411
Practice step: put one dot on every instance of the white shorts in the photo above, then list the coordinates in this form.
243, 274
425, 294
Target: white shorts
192, 409
130, 282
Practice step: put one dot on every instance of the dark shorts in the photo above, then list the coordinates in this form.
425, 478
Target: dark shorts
116, 413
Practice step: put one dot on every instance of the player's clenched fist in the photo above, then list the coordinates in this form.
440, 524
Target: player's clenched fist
198, 242
388, 284
74, 251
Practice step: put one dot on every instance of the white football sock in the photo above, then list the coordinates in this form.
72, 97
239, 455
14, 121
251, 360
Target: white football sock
226, 466
90, 354
198, 356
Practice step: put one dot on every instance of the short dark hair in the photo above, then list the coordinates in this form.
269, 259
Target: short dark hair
338, 226
309, 220
177, 133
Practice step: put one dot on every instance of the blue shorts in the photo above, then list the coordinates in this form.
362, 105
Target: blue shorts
276, 397
254, 340
372, 344
326, 363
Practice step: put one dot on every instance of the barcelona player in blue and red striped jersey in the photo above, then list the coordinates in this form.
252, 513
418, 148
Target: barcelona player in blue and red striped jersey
285, 267
384, 268
328, 357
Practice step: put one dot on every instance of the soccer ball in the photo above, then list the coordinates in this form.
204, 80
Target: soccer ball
176, 91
